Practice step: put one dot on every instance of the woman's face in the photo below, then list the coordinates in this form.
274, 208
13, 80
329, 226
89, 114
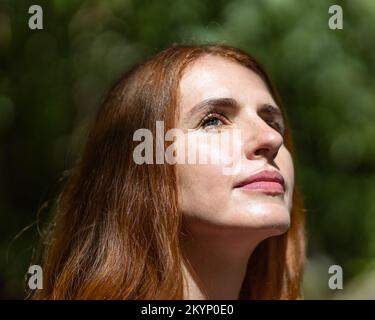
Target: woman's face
209, 199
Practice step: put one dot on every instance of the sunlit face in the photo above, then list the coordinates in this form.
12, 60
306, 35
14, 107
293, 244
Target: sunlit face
209, 200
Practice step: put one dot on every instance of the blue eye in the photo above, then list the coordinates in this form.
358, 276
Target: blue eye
213, 119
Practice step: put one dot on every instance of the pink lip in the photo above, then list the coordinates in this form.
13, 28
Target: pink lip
266, 181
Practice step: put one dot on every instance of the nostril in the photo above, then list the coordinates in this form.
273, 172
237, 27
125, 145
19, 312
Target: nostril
266, 152
261, 151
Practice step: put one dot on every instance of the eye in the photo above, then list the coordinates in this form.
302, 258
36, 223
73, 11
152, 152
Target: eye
277, 126
213, 120
273, 117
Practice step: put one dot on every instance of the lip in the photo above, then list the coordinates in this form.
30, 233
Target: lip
267, 181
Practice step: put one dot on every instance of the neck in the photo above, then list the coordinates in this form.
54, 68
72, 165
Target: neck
217, 264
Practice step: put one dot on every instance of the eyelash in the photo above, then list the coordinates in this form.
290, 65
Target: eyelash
277, 126
220, 116
210, 116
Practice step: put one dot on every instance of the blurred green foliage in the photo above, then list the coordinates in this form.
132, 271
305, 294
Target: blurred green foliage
52, 81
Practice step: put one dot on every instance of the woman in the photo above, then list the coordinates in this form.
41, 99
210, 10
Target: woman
125, 230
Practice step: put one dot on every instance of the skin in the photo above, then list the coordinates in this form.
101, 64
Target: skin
223, 223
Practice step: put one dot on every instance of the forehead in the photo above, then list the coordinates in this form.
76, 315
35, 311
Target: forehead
213, 76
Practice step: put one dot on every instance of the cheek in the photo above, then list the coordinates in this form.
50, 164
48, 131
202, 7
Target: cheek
285, 162
203, 188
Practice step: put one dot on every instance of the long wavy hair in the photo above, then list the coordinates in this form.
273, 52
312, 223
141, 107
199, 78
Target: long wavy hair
116, 229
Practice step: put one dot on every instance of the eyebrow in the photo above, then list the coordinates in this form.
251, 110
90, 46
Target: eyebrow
270, 109
207, 104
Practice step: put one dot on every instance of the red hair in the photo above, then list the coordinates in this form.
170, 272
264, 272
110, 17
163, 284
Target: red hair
116, 232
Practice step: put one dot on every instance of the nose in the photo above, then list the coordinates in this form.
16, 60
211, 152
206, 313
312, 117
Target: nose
261, 140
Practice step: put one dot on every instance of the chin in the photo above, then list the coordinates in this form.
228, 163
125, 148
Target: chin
280, 227
275, 224
269, 220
